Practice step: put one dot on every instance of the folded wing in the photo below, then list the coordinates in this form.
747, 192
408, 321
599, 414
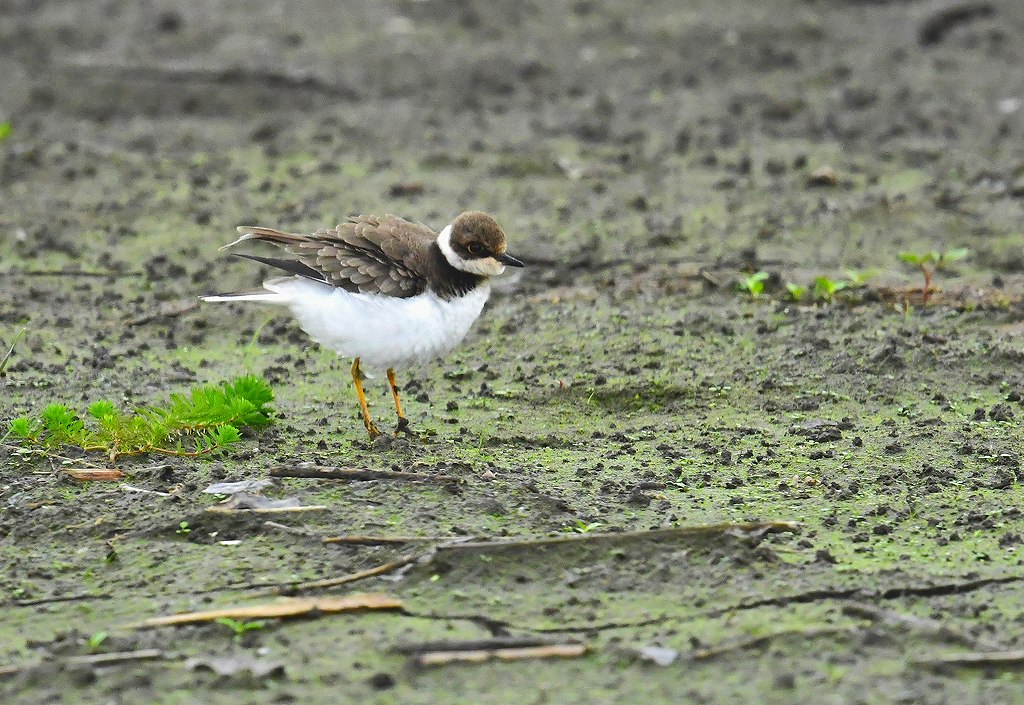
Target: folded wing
368, 254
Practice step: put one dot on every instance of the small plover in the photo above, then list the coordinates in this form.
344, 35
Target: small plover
383, 291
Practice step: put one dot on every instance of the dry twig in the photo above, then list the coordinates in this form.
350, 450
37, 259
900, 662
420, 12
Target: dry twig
627, 536
385, 540
14, 344
90, 660
291, 529
922, 624
280, 609
765, 639
975, 659
328, 473
394, 565
441, 653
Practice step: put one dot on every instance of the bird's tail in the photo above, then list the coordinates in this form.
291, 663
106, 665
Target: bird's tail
254, 232
274, 291
261, 295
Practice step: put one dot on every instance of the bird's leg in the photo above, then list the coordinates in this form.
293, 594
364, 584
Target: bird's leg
403, 423
357, 378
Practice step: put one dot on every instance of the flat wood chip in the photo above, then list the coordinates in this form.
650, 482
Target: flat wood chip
280, 609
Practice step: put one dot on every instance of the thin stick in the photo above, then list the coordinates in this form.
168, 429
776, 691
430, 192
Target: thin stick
116, 657
679, 531
61, 598
90, 660
891, 618
283, 608
14, 344
290, 529
441, 658
763, 640
329, 473
385, 540
976, 659
394, 565
510, 642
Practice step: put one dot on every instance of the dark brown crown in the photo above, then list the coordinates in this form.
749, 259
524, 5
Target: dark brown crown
476, 235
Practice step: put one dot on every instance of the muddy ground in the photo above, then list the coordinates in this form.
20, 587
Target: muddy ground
640, 160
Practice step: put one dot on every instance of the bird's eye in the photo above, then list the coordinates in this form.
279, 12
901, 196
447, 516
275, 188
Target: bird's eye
475, 248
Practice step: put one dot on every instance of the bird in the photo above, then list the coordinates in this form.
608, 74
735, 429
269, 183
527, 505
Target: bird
383, 291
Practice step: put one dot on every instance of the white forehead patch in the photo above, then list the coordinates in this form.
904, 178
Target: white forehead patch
485, 266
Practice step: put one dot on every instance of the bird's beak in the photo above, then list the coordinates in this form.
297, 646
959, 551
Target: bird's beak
509, 260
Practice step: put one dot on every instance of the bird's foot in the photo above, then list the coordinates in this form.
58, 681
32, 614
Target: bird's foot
371, 428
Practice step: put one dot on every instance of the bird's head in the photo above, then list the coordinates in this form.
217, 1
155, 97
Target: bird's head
475, 243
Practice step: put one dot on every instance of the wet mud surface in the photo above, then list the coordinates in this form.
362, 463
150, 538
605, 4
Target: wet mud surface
640, 161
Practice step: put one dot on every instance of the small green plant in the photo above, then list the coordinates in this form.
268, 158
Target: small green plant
6, 129
239, 627
796, 292
582, 527
931, 262
753, 284
95, 641
203, 422
857, 279
825, 288
183, 528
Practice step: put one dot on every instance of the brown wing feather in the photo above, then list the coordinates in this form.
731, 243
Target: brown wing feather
367, 254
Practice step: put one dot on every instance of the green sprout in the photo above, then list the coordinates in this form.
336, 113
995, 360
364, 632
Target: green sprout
239, 627
753, 284
582, 527
6, 129
183, 528
796, 292
200, 423
94, 642
825, 288
931, 262
859, 278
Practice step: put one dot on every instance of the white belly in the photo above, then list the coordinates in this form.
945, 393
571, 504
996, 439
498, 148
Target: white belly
382, 331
